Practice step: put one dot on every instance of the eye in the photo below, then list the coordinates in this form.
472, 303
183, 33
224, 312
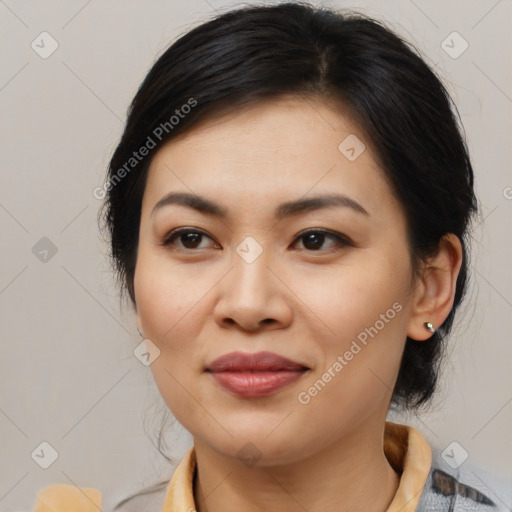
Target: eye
313, 239
189, 238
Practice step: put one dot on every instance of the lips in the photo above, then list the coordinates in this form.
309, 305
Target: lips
254, 375
259, 362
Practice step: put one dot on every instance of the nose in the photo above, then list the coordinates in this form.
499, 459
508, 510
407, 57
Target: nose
252, 297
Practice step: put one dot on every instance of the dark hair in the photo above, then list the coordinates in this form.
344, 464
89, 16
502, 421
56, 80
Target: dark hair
261, 52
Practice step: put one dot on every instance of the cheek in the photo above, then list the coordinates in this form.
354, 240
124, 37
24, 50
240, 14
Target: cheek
365, 306
358, 294
172, 304
167, 297
169, 310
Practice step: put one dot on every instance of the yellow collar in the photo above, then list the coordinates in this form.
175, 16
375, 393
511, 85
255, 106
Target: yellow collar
405, 448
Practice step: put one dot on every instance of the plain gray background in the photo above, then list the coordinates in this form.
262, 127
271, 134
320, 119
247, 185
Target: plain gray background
68, 374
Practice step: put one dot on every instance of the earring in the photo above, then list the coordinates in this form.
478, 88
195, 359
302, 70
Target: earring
140, 334
429, 326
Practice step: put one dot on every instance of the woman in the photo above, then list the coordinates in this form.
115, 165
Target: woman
288, 211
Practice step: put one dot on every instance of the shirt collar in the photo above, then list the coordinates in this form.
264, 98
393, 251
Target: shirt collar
409, 453
405, 448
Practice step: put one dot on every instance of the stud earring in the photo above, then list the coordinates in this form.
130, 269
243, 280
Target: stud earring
429, 326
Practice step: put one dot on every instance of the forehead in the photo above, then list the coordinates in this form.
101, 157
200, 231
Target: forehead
282, 148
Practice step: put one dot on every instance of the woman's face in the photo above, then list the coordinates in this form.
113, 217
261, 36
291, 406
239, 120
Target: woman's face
252, 280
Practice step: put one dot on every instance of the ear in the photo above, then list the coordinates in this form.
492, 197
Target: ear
434, 293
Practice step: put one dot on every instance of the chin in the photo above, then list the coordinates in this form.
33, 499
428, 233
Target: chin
255, 445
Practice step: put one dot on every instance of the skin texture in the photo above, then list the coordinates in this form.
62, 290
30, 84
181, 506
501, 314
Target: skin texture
198, 303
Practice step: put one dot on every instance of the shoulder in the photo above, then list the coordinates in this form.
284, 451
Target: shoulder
64, 497
147, 498
467, 487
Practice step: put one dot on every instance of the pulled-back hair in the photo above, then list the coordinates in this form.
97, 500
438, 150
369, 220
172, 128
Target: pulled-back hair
256, 53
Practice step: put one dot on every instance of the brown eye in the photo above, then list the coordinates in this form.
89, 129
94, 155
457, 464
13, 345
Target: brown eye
188, 238
313, 240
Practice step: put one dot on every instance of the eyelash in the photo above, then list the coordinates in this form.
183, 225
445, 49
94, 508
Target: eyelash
342, 240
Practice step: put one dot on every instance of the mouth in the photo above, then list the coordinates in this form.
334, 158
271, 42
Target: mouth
255, 375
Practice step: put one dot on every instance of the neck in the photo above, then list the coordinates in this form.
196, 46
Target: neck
350, 475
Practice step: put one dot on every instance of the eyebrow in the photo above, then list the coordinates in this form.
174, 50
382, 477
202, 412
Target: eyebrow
286, 209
